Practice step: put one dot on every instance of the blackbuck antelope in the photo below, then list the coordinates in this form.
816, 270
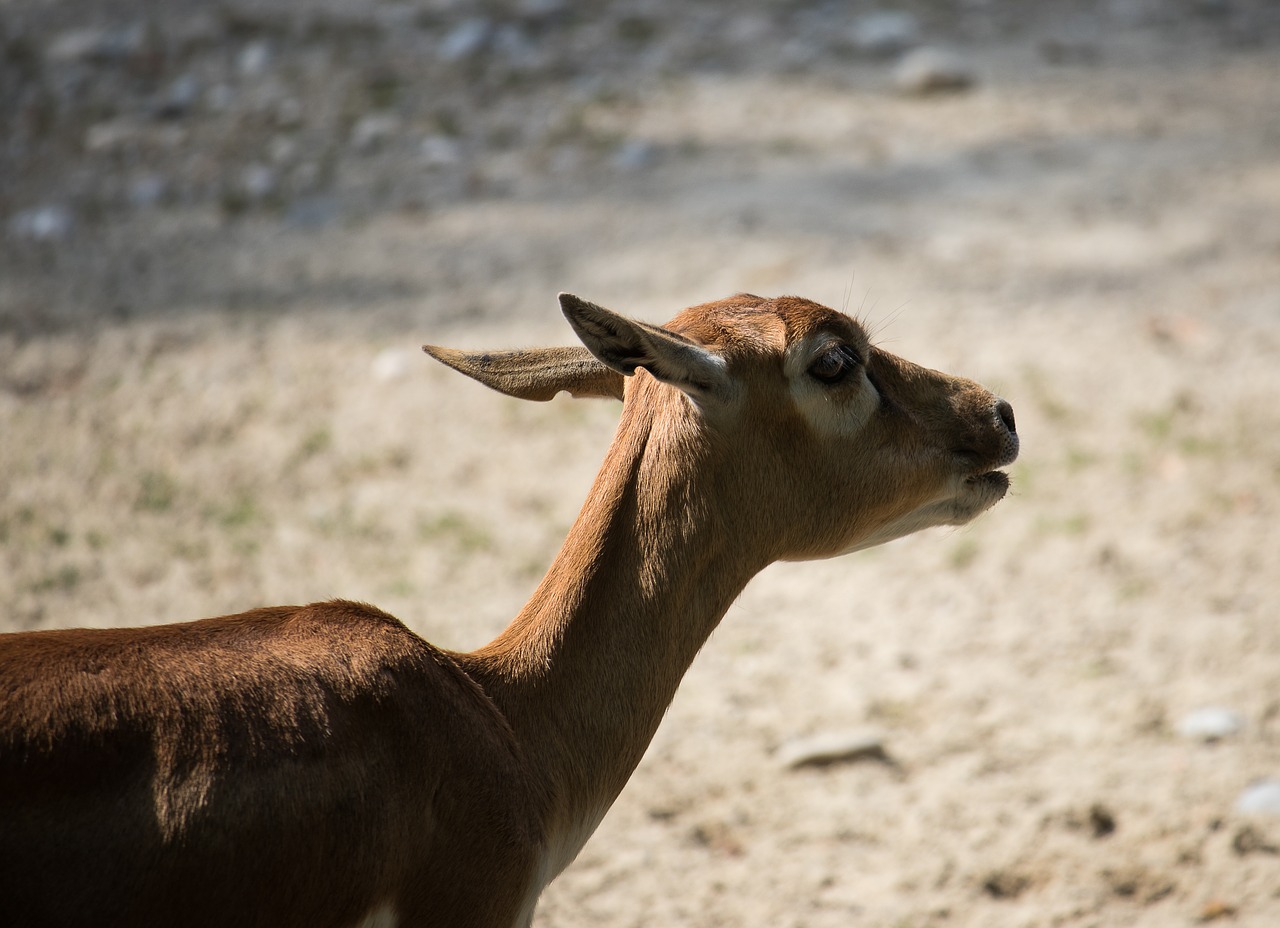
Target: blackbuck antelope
322, 765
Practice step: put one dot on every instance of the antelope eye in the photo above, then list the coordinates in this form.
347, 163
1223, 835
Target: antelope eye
834, 364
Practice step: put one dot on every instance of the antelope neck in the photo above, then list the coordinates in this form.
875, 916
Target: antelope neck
586, 670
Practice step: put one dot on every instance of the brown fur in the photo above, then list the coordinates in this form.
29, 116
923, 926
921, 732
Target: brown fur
306, 765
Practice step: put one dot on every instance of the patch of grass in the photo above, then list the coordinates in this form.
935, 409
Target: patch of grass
401, 587
156, 492
964, 553
462, 534
1157, 426
1051, 406
238, 512
1074, 525
317, 441
1202, 446
63, 580
1078, 460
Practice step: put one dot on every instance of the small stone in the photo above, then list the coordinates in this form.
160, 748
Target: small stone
254, 59
372, 131
635, 155
1210, 723
313, 212
439, 151
52, 223
97, 45
931, 70
180, 98
831, 748
147, 191
1260, 798
466, 40
112, 135
885, 33
258, 181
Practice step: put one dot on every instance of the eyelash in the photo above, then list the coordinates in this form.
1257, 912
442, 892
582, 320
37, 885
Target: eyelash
849, 361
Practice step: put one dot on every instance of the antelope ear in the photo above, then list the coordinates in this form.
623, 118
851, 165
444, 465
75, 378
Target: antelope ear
624, 344
535, 373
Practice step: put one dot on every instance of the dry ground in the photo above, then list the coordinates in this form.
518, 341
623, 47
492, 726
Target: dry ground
206, 406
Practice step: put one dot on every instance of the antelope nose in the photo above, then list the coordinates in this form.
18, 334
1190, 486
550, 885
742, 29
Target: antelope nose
1004, 418
1004, 412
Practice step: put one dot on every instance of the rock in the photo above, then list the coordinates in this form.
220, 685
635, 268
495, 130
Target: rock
180, 98
313, 212
259, 181
466, 40
635, 155
254, 58
1210, 723
1261, 797
885, 33
112, 135
50, 223
372, 131
932, 70
438, 151
148, 191
831, 748
98, 45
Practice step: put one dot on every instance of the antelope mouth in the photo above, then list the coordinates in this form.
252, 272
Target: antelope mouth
993, 481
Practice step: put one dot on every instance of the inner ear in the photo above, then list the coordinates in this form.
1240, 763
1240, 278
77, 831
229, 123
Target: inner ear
624, 345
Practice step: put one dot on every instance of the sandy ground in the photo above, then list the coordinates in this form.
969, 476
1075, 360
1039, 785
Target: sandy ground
206, 405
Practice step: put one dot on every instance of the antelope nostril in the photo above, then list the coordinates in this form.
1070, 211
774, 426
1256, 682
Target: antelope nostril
1004, 412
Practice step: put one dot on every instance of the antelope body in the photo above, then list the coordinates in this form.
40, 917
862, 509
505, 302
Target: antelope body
324, 766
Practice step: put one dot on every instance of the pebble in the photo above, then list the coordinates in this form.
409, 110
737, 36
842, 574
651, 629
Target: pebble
466, 40
1210, 723
313, 212
885, 33
97, 45
254, 59
372, 131
635, 155
50, 223
832, 747
183, 94
438, 151
931, 70
258, 181
148, 191
1261, 797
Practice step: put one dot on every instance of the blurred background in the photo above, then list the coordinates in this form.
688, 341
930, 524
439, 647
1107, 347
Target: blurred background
225, 229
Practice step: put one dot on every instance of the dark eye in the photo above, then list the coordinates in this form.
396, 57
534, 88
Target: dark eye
835, 364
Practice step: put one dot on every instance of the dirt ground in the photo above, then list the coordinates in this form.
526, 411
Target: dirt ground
227, 229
